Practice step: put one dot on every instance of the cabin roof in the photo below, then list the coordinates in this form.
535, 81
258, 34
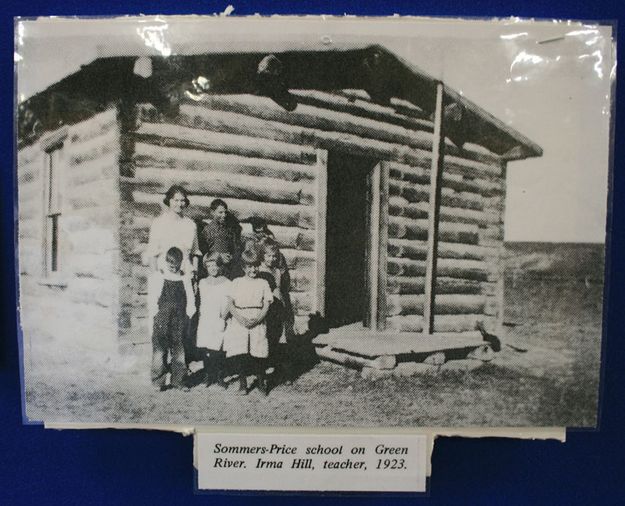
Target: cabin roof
372, 68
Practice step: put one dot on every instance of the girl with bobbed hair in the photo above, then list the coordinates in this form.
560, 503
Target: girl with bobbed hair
213, 318
245, 339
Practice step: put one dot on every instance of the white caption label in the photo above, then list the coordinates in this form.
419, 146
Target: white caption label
304, 462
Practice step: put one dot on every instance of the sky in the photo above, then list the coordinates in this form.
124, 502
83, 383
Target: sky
549, 80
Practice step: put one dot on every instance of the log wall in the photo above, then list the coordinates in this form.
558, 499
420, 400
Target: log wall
263, 161
80, 302
257, 177
469, 280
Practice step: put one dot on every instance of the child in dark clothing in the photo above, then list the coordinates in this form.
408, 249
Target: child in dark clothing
278, 320
171, 301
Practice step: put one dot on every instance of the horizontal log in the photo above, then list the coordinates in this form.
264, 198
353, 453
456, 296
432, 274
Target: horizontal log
399, 206
407, 248
286, 237
466, 269
495, 204
240, 124
456, 182
102, 293
398, 104
492, 232
30, 210
104, 167
150, 155
461, 164
300, 264
29, 263
302, 303
453, 268
90, 217
413, 193
416, 285
92, 149
406, 228
490, 242
243, 210
297, 259
404, 267
30, 288
442, 323
307, 116
417, 250
302, 279
406, 108
178, 136
235, 134
93, 240
493, 306
101, 265
95, 126
133, 242
30, 172
354, 94
30, 228
29, 154
135, 301
336, 102
97, 193
30, 260
444, 304
29, 191
356, 361
68, 318
223, 184
459, 215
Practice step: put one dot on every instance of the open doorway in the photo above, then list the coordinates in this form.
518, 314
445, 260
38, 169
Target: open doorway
350, 198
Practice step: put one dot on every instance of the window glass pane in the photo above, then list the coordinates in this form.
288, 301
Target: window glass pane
54, 188
54, 243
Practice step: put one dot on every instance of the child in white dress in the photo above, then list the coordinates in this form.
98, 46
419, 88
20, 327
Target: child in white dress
246, 335
214, 291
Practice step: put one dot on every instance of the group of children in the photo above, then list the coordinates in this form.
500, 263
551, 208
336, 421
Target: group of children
242, 320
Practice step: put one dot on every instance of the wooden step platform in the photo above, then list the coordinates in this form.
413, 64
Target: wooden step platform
363, 342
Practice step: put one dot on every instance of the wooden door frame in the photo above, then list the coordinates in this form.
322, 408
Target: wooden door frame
377, 240
377, 246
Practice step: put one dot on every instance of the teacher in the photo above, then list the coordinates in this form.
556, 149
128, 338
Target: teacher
172, 228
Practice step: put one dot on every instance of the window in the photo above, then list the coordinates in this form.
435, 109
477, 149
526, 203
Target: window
53, 185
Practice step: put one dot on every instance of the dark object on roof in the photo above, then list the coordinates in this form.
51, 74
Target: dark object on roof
373, 68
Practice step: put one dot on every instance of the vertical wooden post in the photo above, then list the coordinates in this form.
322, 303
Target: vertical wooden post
382, 248
373, 249
436, 173
500, 286
377, 247
321, 204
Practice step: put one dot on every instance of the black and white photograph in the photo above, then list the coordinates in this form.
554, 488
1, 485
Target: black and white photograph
357, 222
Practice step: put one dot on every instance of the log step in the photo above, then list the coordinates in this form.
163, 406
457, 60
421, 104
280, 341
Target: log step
372, 344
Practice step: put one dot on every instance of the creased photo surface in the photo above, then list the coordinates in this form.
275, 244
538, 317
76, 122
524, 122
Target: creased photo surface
312, 222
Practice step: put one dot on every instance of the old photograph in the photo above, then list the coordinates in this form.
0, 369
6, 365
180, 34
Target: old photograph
312, 222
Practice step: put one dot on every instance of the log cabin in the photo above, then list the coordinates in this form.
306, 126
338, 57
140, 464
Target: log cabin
384, 188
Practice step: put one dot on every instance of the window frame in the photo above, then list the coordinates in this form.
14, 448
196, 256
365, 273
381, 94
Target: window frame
53, 207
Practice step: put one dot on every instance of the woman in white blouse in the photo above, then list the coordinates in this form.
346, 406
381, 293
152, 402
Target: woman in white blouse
173, 228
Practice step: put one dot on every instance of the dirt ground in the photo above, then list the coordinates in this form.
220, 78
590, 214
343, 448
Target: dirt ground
554, 383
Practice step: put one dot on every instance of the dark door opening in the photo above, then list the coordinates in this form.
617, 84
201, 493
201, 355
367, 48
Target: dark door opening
347, 240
